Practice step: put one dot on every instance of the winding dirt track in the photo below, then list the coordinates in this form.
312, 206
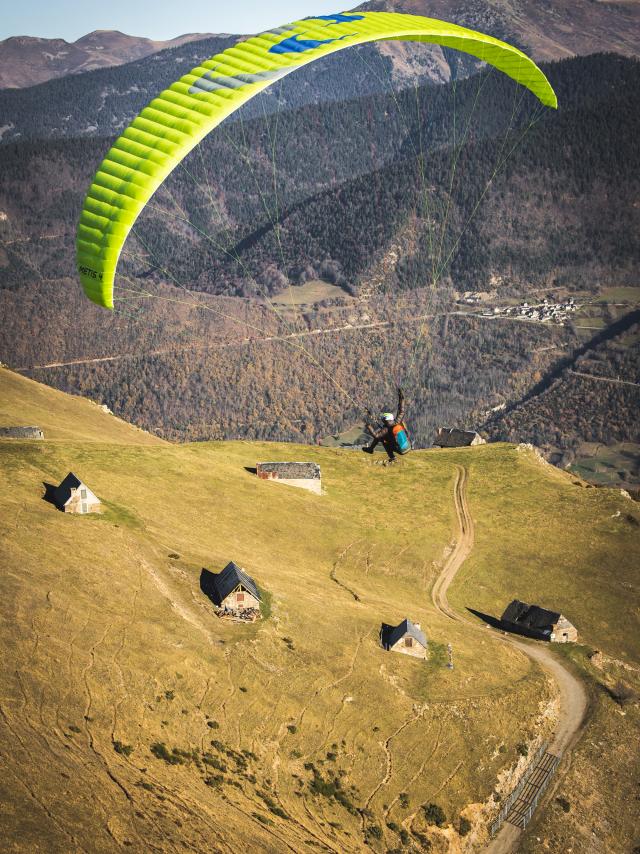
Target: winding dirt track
573, 698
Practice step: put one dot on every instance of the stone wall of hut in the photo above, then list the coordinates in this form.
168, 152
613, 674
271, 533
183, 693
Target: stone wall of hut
240, 600
21, 433
75, 505
564, 632
416, 649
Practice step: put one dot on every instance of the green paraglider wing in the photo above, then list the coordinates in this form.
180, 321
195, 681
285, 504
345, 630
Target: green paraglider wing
173, 123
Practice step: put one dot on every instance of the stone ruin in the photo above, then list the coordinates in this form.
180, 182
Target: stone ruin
451, 437
21, 433
302, 475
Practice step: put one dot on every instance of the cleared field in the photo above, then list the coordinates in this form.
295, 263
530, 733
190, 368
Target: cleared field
312, 292
608, 465
132, 716
622, 295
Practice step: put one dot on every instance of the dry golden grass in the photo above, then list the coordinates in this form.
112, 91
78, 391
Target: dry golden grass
110, 645
24, 402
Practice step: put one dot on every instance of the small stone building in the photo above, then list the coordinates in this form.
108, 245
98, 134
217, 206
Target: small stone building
535, 622
21, 433
234, 590
302, 475
74, 496
451, 437
407, 638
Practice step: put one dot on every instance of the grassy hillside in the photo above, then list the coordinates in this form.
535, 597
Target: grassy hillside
61, 416
132, 716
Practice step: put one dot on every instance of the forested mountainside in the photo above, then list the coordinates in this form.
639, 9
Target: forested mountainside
278, 388
27, 61
330, 191
103, 102
578, 216
350, 206
300, 389
594, 398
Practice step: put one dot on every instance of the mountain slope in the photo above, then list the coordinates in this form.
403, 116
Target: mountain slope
594, 397
561, 215
103, 101
132, 716
106, 99
26, 61
547, 30
62, 417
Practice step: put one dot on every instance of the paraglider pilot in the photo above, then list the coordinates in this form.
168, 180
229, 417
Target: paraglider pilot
385, 433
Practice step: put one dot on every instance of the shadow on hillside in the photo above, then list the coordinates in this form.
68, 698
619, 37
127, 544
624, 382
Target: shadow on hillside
251, 469
385, 631
208, 584
49, 494
491, 621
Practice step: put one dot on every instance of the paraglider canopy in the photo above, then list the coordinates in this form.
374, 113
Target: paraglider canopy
161, 136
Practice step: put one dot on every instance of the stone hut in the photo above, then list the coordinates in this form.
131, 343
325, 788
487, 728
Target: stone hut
451, 437
74, 496
234, 590
535, 622
302, 475
407, 638
21, 433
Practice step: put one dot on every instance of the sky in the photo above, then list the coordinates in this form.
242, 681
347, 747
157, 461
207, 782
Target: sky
155, 19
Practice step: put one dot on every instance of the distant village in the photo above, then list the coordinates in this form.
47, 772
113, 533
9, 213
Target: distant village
541, 312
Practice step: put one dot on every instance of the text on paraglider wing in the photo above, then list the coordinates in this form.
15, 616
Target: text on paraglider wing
87, 271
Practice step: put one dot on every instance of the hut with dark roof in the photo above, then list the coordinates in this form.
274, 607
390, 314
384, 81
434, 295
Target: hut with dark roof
21, 433
536, 622
74, 496
234, 590
303, 475
407, 638
452, 437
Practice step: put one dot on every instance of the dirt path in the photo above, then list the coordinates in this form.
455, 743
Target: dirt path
374, 325
224, 345
603, 379
573, 698
461, 549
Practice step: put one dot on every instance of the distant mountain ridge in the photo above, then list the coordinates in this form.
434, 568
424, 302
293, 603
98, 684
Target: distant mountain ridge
26, 60
122, 73
102, 102
546, 29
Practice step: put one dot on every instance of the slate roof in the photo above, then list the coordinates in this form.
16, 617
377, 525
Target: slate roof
230, 577
452, 437
63, 492
530, 616
406, 627
290, 470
